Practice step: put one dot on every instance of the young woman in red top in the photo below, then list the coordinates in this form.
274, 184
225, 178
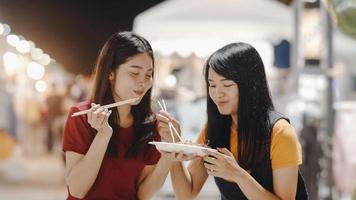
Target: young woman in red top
107, 155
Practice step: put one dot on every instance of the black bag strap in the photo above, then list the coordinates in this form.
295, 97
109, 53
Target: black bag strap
302, 193
274, 116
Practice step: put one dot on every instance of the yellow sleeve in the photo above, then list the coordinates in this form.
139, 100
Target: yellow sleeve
202, 135
285, 147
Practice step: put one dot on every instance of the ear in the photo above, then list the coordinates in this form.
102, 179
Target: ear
111, 76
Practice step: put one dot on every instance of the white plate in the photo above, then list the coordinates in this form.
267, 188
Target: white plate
184, 148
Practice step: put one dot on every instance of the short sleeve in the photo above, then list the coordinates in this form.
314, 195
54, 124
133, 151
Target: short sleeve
202, 135
285, 147
153, 155
77, 135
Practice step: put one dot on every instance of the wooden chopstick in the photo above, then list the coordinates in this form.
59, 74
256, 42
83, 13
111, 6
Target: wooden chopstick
172, 129
176, 132
120, 103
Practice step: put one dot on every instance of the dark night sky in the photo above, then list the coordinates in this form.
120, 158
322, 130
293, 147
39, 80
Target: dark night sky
71, 31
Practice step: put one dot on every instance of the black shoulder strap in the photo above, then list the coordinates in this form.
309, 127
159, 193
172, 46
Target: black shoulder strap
302, 193
274, 116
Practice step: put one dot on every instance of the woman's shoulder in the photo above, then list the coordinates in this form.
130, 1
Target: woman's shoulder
281, 124
79, 106
283, 131
77, 134
285, 147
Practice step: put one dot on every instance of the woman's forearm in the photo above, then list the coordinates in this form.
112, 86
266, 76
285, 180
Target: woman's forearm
251, 188
155, 180
181, 181
82, 175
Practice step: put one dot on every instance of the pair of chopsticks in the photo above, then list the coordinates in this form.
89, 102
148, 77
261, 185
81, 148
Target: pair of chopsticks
120, 103
170, 124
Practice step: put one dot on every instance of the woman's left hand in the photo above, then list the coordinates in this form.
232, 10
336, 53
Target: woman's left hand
222, 164
163, 120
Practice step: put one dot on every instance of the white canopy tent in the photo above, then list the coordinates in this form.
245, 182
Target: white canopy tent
203, 26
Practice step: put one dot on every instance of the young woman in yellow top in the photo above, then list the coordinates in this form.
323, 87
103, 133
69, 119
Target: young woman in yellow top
252, 162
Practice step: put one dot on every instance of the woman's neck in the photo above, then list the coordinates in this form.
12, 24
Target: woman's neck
234, 119
125, 116
124, 113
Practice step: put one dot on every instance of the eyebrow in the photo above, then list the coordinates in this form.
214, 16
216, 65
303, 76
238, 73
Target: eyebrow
139, 67
224, 79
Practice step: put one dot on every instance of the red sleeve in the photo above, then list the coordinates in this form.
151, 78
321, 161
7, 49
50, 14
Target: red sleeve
153, 155
77, 135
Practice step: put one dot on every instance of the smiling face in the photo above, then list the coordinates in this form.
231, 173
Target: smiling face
223, 92
133, 78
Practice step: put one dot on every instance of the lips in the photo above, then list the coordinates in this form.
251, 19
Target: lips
221, 103
138, 93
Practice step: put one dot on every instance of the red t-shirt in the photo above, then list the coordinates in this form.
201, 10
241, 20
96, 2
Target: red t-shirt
117, 175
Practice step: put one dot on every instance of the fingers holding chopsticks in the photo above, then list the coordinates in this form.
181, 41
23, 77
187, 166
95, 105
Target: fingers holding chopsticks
167, 132
163, 128
98, 117
168, 127
93, 108
166, 118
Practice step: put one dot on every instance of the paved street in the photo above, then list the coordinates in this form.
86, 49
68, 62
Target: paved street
43, 180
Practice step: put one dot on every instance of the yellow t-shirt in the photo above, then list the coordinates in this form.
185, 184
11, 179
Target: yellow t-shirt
285, 148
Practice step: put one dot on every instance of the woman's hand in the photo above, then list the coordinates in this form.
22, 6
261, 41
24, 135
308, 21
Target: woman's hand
222, 164
178, 157
98, 118
163, 119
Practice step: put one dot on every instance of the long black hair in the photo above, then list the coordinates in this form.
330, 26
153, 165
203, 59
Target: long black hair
117, 50
241, 63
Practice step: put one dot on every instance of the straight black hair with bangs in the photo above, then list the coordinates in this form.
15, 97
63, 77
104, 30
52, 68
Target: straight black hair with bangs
241, 63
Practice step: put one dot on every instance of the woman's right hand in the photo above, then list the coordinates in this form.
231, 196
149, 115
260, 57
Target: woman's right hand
98, 118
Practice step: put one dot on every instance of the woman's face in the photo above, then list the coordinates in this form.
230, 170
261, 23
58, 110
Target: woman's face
133, 78
224, 93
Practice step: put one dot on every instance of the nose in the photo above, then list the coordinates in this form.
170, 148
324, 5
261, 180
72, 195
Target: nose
218, 92
141, 83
